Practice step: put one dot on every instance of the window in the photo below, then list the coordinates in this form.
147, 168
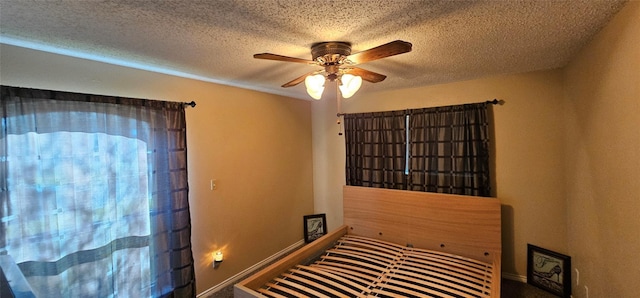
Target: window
442, 149
77, 199
95, 201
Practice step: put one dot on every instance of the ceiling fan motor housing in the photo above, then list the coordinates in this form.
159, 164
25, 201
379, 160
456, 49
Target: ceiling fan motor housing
329, 53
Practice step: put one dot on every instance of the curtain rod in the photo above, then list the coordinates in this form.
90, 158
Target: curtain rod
494, 101
192, 104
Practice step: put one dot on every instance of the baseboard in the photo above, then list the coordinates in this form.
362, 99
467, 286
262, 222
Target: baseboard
515, 277
244, 273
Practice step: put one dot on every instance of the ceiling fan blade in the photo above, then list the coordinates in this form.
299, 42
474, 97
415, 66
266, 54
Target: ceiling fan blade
269, 56
386, 50
366, 75
298, 80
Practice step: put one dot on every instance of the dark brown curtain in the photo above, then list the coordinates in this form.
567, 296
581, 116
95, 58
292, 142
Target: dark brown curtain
105, 179
376, 149
450, 150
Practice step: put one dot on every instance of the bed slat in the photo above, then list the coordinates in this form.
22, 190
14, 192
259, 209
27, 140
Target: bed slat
348, 274
418, 283
445, 278
446, 268
305, 279
340, 282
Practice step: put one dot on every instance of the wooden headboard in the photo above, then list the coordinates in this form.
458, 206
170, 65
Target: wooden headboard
463, 225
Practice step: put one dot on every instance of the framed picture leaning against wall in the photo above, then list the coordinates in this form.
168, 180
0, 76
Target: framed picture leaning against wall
549, 270
315, 226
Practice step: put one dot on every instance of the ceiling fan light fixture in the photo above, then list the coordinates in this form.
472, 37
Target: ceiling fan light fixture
315, 85
338, 62
349, 85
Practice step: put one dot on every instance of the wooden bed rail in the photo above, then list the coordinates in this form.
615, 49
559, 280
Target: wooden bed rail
301, 256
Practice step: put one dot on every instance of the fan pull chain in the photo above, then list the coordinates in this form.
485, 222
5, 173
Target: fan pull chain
339, 107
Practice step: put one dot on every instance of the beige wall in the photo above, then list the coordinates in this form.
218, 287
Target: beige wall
528, 153
257, 146
603, 159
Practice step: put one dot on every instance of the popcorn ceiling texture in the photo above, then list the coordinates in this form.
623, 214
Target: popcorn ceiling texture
452, 40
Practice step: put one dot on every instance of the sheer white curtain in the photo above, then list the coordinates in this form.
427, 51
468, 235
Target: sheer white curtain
94, 201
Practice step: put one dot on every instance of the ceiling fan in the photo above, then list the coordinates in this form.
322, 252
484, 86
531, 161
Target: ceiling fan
339, 65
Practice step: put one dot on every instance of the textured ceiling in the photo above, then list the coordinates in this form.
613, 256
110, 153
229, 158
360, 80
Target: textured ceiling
216, 40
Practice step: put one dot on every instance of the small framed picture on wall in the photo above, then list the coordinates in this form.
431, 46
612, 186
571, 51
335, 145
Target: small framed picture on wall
315, 226
549, 270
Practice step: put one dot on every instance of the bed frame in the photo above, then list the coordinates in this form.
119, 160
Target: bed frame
385, 230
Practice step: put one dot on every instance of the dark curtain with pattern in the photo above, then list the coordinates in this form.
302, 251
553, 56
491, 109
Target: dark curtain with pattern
448, 149
94, 195
376, 149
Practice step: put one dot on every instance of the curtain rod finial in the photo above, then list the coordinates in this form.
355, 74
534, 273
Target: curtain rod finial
496, 101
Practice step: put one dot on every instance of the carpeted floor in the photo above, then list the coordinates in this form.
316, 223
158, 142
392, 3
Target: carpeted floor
516, 289
510, 289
